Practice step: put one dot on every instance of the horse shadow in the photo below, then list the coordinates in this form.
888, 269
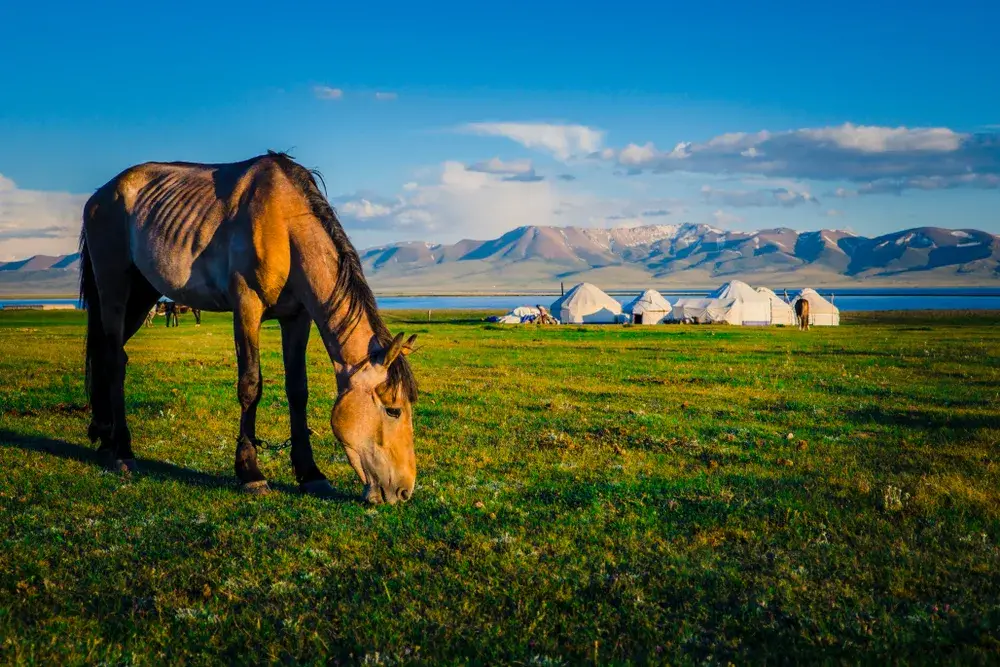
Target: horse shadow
146, 467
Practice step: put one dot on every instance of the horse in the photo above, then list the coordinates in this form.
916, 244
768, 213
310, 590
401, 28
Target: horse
802, 313
172, 310
258, 239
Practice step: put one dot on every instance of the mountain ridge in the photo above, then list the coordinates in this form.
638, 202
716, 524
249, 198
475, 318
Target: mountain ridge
691, 255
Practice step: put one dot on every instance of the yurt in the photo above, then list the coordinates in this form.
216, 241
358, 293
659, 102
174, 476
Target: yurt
707, 311
822, 313
648, 308
781, 311
586, 304
754, 307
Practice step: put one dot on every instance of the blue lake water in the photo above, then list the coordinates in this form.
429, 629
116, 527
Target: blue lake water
938, 298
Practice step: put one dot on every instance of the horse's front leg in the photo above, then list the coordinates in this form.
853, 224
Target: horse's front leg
246, 328
294, 341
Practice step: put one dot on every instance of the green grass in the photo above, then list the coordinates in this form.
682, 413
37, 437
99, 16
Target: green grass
621, 494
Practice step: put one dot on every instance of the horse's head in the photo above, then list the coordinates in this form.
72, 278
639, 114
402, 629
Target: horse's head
373, 420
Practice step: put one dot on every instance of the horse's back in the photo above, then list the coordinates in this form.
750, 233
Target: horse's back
189, 227
182, 220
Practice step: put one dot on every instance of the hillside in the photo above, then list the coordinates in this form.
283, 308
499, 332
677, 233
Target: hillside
683, 256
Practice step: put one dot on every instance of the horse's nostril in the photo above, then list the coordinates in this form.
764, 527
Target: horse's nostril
404, 494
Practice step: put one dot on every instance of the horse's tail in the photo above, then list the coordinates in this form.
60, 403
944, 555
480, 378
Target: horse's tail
90, 301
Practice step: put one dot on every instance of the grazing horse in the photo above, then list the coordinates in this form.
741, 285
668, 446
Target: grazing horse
172, 310
258, 239
802, 313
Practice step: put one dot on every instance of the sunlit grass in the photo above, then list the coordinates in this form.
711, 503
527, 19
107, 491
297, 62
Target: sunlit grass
674, 494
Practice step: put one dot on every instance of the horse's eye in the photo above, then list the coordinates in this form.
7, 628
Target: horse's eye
394, 412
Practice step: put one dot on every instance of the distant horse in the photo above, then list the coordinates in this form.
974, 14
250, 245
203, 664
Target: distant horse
172, 310
258, 239
802, 313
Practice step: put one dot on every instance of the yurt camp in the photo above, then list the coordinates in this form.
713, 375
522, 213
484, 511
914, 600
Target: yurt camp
781, 311
822, 313
586, 304
648, 308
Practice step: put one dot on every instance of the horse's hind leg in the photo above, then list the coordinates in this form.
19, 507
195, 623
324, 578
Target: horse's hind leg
246, 329
294, 341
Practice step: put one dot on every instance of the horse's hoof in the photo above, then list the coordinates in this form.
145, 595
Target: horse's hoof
320, 488
257, 488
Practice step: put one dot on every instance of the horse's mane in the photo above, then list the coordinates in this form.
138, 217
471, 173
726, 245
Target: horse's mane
351, 284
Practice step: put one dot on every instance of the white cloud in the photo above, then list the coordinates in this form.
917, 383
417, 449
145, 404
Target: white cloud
514, 170
846, 152
874, 139
328, 93
561, 141
34, 222
497, 166
382, 96
636, 155
782, 196
363, 209
468, 203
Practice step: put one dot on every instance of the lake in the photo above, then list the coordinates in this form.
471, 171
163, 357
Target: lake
847, 299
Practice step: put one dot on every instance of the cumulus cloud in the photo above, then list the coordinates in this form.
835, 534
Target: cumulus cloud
327, 93
464, 200
36, 222
485, 200
770, 197
382, 96
846, 152
561, 141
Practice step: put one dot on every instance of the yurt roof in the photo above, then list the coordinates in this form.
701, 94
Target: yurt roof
737, 289
650, 300
586, 297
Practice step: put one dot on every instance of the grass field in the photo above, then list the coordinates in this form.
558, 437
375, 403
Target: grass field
674, 494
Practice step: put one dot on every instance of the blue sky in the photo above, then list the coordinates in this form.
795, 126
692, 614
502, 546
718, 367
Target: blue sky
438, 121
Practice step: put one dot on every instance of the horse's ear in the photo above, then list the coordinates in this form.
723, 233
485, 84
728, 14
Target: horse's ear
393, 350
408, 345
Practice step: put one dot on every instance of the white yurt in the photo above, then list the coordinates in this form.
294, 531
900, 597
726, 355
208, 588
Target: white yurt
707, 311
648, 308
822, 313
781, 311
754, 308
586, 304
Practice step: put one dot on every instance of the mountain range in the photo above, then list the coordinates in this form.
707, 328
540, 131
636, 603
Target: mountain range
537, 258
